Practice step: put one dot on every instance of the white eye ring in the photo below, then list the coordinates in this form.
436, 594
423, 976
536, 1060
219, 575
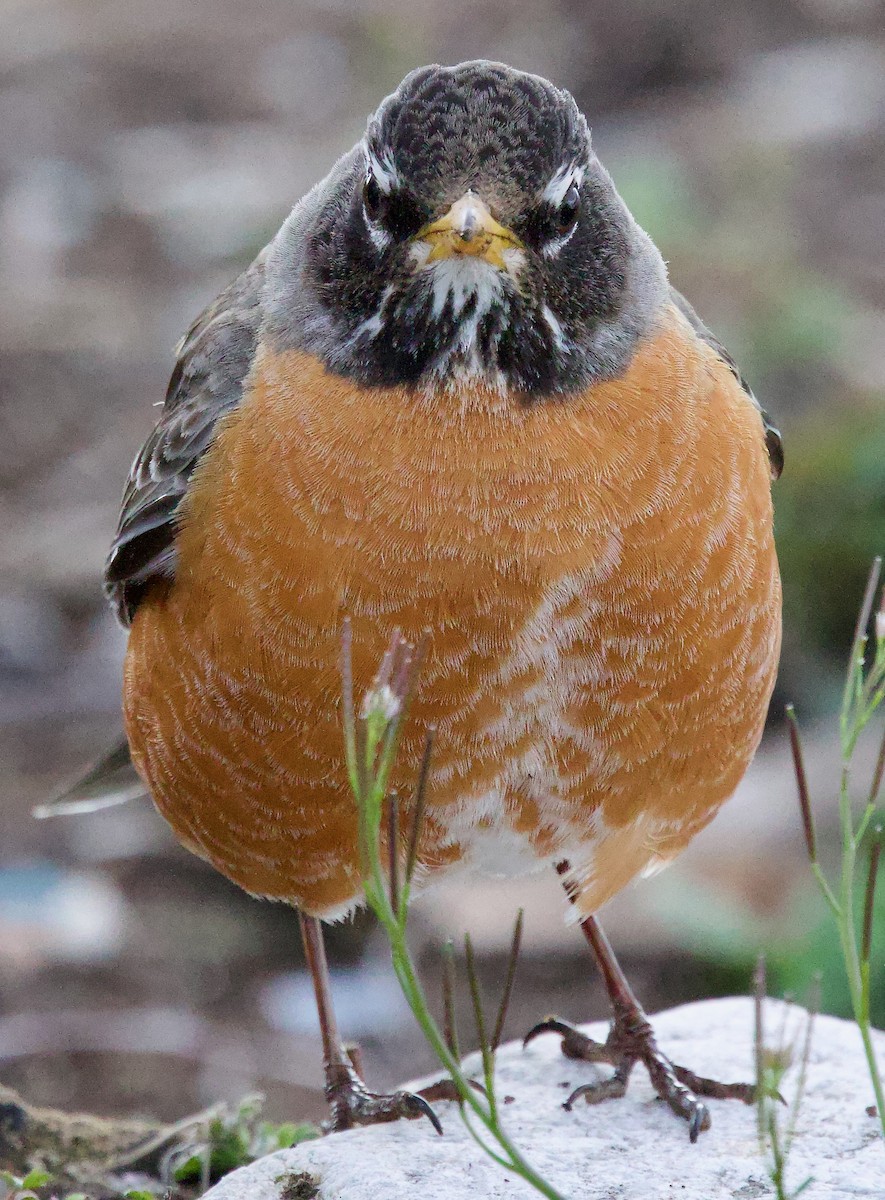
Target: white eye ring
564, 184
566, 215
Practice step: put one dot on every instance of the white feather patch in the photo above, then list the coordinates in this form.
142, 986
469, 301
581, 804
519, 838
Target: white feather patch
373, 325
554, 192
456, 281
555, 328
553, 247
459, 278
384, 169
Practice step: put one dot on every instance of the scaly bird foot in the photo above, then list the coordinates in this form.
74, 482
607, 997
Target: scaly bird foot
631, 1040
353, 1104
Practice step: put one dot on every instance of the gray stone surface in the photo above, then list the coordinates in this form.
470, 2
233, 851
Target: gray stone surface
633, 1149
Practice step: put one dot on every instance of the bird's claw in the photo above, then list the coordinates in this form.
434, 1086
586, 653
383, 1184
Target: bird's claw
631, 1040
573, 1041
353, 1104
594, 1093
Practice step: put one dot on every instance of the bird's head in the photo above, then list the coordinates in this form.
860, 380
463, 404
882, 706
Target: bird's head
474, 235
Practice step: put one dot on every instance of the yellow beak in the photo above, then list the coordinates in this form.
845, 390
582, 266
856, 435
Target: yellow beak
469, 228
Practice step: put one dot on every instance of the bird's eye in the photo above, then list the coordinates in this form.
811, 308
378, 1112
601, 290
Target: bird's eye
566, 216
374, 200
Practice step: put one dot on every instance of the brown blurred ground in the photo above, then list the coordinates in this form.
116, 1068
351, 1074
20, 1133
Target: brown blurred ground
147, 151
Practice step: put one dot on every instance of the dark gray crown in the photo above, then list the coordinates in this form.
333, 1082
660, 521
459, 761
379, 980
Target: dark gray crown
478, 121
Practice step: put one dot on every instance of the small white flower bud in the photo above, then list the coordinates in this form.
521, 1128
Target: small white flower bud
380, 702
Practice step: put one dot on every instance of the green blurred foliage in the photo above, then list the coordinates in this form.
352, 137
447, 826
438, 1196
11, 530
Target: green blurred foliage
801, 321
658, 191
235, 1140
830, 523
726, 939
794, 967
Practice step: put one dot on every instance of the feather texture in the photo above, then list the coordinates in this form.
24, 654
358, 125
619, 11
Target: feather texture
600, 582
213, 360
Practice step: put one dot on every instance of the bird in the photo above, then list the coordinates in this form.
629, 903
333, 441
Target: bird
456, 393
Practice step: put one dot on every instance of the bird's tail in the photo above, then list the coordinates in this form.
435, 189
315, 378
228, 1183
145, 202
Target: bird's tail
112, 780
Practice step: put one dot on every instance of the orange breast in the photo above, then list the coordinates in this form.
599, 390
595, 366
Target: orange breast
598, 576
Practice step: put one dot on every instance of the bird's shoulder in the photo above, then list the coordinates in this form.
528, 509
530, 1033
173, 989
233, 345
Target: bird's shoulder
213, 360
773, 440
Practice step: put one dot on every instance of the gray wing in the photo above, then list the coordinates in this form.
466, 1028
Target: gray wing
773, 440
213, 360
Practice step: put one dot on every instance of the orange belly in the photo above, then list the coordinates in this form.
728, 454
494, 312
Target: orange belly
598, 575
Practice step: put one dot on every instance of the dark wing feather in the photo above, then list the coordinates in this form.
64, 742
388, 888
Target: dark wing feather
214, 358
112, 780
773, 440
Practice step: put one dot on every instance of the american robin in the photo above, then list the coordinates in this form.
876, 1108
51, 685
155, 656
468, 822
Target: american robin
456, 392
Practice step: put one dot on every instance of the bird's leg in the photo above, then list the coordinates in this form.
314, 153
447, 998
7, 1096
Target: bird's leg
630, 1040
349, 1099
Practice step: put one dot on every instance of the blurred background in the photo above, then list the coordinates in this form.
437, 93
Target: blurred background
147, 151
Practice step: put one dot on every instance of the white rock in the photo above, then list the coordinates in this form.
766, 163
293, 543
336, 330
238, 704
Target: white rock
630, 1149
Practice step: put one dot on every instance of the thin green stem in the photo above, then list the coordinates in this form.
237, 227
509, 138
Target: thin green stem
488, 1059
875, 1075
371, 742
864, 691
828, 893
775, 1141
474, 1133
864, 822
866, 939
416, 999
854, 677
